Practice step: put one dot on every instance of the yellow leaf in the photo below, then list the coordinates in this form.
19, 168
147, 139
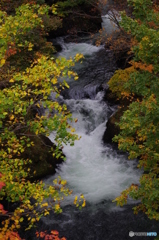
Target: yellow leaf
66, 85
55, 181
21, 210
75, 200
30, 47
44, 205
3, 61
57, 207
82, 196
11, 80
11, 117
20, 45
21, 219
33, 220
63, 182
84, 203
72, 130
54, 80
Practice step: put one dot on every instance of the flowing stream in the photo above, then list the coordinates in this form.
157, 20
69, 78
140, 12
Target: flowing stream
96, 170
92, 168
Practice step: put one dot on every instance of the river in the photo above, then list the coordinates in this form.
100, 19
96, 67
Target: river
96, 170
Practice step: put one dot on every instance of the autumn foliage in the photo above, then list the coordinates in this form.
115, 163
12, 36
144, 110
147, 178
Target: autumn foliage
30, 73
54, 235
139, 132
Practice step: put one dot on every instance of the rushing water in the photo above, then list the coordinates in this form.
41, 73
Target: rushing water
96, 170
107, 24
91, 168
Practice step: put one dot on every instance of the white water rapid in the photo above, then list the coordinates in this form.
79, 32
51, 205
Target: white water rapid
91, 168
71, 49
108, 25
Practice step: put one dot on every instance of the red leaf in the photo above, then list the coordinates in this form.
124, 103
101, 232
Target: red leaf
2, 209
48, 237
2, 184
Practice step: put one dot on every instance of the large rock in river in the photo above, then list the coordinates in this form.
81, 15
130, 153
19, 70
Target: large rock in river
43, 162
112, 128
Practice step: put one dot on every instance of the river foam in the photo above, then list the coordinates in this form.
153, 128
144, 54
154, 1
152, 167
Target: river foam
95, 170
91, 168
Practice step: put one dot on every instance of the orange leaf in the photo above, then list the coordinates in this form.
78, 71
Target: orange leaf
42, 234
54, 232
37, 234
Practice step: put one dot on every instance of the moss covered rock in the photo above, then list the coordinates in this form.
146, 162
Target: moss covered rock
43, 162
